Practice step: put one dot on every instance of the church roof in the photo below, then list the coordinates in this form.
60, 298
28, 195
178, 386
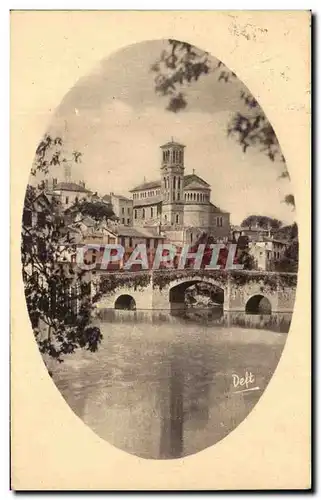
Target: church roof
217, 209
142, 232
196, 185
147, 185
188, 179
145, 202
172, 143
70, 186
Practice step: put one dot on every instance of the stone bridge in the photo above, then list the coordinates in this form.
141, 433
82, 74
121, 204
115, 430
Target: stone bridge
165, 289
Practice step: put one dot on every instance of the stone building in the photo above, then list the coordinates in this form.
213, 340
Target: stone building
68, 193
266, 252
123, 208
179, 204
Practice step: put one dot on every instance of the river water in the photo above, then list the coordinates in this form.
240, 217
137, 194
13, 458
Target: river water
163, 386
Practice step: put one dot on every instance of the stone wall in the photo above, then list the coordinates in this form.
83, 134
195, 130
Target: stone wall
155, 290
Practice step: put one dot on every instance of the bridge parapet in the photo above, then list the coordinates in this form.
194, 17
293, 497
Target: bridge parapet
152, 289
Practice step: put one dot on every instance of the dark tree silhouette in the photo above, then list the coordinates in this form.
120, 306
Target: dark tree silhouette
97, 210
181, 64
262, 221
57, 293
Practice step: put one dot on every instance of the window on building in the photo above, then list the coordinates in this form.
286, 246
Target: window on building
173, 195
151, 212
198, 197
123, 210
177, 218
165, 218
76, 199
178, 196
174, 182
143, 213
135, 214
191, 237
130, 242
128, 221
67, 200
179, 183
194, 196
123, 221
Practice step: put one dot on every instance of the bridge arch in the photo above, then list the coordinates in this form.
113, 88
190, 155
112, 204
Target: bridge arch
178, 288
125, 301
258, 304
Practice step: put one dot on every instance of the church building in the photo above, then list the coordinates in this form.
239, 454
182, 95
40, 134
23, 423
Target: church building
178, 204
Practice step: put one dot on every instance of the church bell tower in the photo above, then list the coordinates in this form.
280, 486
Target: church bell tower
172, 184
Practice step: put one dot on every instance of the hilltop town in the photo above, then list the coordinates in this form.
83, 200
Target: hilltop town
176, 207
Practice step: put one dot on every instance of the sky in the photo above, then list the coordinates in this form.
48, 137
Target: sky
117, 121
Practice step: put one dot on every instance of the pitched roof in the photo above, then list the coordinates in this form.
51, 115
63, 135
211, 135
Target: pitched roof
196, 185
121, 197
145, 202
70, 186
188, 179
142, 232
147, 185
172, 143
217, 209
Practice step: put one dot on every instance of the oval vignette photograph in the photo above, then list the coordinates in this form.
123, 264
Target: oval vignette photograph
160, 249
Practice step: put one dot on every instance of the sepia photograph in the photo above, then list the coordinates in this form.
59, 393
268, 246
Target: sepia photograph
160, 249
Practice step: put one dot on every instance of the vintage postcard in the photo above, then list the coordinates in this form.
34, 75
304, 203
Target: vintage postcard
160, 250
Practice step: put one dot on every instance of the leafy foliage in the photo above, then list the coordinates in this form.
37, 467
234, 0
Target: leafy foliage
261, 221
97, 210
57, 293
181, 64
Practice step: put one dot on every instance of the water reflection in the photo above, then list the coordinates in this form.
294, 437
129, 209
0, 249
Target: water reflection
276, 322
161, 386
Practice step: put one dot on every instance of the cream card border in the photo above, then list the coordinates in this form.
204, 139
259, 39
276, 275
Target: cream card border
270, 52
